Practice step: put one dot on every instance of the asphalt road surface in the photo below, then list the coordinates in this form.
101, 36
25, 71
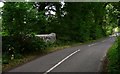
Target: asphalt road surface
82, 58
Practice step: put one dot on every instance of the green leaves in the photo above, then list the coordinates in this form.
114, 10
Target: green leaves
114, 57
18, 17
81, 22
84, 21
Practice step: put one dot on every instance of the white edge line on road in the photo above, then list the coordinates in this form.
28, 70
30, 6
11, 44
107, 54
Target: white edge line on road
102, 59
61, 61
101, 62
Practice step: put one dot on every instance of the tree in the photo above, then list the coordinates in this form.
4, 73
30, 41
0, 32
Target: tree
20, 22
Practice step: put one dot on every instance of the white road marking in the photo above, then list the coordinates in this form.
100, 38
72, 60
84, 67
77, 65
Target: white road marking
92, 44
101, 62
103, 40
95, 43
61, 61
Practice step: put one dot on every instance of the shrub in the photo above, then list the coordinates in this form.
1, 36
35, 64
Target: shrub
113, 57
18, 45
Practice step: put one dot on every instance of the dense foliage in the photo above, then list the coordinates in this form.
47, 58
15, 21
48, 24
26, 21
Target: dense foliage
113, 57
78, 22
114, 52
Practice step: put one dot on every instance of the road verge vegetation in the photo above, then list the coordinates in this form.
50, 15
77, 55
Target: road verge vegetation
72, 23
113, 56
10, 62
24, 49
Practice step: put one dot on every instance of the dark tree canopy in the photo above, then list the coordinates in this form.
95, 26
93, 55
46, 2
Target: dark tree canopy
71, 21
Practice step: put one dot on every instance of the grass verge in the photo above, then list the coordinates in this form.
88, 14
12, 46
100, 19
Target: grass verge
112, 57
29, 57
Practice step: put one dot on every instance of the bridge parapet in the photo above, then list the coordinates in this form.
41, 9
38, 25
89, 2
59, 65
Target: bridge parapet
48, 37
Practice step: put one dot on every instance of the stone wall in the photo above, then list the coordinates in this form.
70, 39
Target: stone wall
48, 37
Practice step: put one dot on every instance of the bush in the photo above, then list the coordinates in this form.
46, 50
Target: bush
118, 49
5, 59
18, 45
113, 58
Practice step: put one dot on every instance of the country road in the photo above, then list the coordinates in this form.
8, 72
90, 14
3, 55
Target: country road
82, 58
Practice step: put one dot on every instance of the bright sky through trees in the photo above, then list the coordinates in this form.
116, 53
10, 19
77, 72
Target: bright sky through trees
1, 4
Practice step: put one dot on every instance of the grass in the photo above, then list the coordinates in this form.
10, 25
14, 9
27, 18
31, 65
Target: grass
29, 57
0, 63
113, 57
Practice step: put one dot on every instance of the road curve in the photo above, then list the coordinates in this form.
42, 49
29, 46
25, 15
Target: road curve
83, 58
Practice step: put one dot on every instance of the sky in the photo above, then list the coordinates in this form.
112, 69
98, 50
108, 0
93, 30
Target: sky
1, 4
